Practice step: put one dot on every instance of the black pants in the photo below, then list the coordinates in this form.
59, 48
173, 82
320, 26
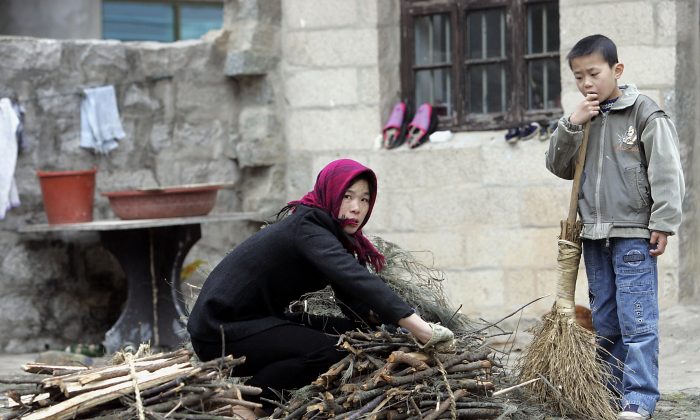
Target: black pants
284, 357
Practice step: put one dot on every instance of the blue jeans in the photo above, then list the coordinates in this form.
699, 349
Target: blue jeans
623, 284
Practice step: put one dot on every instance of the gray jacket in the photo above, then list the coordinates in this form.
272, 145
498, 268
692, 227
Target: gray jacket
632, 181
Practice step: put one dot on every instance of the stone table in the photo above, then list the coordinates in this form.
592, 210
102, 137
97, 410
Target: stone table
151, 253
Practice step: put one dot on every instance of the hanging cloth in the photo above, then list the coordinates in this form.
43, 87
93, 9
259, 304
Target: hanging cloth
9, 196
100, 126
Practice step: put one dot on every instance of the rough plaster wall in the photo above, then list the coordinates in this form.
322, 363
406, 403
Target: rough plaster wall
484, 211
186, 121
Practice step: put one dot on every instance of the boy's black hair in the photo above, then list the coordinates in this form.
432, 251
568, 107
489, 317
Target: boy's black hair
594, 44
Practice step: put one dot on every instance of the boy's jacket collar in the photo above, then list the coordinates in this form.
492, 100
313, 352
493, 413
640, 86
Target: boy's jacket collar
629, 96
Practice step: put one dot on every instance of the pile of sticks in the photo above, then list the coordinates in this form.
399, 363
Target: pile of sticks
155, 386
386, 375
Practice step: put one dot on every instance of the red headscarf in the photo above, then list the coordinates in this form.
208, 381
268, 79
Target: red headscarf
331, 184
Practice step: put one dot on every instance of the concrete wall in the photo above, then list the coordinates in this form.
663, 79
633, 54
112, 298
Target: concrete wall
59, 19
484, 211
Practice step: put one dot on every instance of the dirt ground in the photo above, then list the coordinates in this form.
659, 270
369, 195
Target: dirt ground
679, 368
679, 364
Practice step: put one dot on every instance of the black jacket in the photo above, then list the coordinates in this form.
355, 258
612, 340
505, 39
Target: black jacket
251, 287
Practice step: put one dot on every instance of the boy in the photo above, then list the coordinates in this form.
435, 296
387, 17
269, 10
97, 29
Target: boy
630, 202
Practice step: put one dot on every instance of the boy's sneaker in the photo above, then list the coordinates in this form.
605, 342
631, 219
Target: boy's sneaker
528, 131
512, 135
630, 413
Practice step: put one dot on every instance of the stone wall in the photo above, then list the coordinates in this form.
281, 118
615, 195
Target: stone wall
484, 211
188, 118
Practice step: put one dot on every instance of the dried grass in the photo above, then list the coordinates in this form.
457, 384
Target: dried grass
419, 285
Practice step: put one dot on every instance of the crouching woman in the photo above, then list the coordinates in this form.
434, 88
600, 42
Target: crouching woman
316, 242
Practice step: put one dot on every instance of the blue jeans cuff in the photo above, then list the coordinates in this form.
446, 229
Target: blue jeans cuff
646, 407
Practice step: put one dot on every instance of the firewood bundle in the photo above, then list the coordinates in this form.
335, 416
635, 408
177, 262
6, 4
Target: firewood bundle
155, 386
386, 375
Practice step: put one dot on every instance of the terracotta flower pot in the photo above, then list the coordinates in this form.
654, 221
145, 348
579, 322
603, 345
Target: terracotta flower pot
68, 195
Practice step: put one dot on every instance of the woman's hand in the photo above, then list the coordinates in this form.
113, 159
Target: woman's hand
428, 334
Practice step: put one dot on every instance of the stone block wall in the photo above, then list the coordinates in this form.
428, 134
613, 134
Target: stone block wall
484, 211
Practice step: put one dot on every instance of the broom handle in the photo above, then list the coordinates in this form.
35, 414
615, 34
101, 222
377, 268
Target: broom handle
576, 188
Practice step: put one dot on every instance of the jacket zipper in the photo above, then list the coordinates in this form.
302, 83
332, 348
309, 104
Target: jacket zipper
601, 155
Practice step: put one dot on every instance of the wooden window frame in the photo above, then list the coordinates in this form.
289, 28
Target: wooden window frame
516, 62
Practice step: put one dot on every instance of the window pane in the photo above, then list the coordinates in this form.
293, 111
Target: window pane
486, 34
435, 88
433, 40
552, 27
543, 84
196, 20
129, 21
535, 94
535, 43
543, 28
553, 85
487, 89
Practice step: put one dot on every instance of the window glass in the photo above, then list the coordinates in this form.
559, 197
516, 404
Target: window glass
156, 21
543, 84
552, 32
433, 49
553, 85
535, 92
435, 87
196, 20
432, 39
542, 28
543, 87
486, 34
487, 88
130, 21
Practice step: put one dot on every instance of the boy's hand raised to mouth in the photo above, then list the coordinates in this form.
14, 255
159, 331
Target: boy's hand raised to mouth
586, 109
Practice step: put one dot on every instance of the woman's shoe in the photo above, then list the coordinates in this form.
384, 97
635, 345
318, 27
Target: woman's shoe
394, 132
422, 125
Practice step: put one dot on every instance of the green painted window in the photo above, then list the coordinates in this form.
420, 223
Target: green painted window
164, 21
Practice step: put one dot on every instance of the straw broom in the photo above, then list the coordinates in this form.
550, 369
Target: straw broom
562, 353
